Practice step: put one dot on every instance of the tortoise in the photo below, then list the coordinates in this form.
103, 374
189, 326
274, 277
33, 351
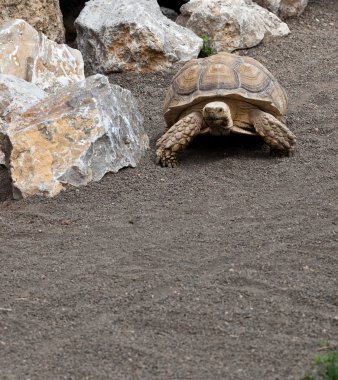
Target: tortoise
220, 95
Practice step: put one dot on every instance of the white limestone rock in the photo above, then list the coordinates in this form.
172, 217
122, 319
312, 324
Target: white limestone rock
284, 8
75, 136
124, 35
231, 24
16, 95
31, 56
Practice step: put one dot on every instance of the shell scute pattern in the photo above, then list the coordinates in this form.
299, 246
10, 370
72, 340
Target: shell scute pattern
253, 79
186, 83
218, 77
224, 75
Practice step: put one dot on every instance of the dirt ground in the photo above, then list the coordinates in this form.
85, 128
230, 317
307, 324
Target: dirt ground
223, 268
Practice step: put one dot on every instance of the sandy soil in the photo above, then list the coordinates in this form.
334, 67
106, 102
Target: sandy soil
223, 268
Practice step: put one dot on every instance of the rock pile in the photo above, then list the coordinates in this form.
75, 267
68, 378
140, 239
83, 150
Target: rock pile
57, 128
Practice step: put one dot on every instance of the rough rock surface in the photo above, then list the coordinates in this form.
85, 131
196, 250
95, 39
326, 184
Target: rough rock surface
16, 95
30, 55
284, 8
118, 36
74, 137
231, 24
44, 15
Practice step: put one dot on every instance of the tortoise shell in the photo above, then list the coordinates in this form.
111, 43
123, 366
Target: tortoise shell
224, 75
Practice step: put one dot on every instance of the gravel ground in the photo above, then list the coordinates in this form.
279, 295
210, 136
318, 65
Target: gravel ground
222, 268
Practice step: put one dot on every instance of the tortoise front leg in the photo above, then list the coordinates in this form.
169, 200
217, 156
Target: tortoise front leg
177, 138
275, 133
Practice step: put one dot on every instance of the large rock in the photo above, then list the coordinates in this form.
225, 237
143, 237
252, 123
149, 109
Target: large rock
124, 35
74, 137
30, 55
44, 15
231, 24
284, 8
16, 95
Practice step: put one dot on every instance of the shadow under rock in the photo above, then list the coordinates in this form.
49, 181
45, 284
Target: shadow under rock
5, 184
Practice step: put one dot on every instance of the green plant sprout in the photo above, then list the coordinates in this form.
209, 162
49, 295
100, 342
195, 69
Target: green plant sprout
327, 367
206, 50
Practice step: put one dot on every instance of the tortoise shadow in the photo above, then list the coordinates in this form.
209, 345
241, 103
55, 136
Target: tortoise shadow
214, 148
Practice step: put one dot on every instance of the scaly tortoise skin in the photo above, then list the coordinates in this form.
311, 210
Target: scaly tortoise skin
222, 94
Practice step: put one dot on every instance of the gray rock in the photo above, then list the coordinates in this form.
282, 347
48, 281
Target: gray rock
75, 136
30, 55
124, 35
284, 8
16, 96
231, 24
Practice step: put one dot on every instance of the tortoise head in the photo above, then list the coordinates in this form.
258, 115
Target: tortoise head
217, 116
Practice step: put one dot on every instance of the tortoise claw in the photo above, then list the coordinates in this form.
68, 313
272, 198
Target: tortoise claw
166, 162
173, 163
280, 152
169, 163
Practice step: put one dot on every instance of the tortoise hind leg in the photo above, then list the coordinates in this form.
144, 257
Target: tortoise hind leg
275, 133
177, 138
